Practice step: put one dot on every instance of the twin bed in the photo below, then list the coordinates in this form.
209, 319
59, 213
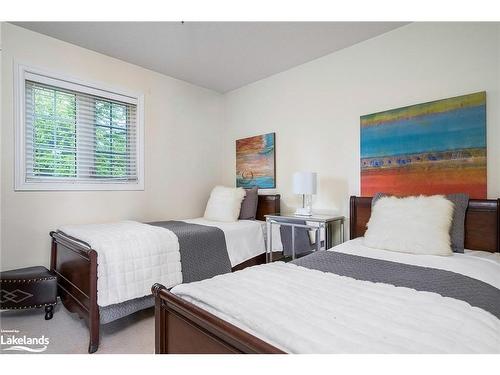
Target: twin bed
137, 255
352, 299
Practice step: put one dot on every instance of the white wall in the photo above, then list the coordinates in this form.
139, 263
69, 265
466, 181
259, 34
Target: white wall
182, 157
315, 108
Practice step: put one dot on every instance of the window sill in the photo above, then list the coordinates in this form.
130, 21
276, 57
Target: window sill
74, 186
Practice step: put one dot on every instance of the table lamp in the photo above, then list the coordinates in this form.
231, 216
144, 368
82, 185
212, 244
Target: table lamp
305, 183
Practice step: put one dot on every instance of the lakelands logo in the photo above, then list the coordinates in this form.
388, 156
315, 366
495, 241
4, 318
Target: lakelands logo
11, 340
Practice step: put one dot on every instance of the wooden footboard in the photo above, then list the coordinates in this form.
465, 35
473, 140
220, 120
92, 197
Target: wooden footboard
183, 328
76, 268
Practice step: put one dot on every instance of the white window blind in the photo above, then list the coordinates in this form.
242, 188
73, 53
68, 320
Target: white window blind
78, 135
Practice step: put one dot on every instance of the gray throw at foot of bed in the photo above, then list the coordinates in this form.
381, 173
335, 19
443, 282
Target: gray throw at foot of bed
446, 283
203, 250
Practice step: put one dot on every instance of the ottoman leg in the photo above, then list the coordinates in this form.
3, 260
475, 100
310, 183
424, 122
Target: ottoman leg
49, 312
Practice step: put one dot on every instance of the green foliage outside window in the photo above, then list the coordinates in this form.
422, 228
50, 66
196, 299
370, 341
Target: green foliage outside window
110, 139
55, 135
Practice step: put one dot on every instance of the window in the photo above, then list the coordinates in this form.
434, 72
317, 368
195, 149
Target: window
74, 136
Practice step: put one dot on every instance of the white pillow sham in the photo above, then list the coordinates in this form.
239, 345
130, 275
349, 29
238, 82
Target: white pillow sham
224, 204
416, 225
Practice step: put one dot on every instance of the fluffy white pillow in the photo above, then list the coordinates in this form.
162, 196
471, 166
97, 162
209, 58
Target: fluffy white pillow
417, 225
224, 204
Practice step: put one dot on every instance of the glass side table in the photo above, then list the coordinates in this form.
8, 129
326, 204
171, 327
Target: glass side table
323, 224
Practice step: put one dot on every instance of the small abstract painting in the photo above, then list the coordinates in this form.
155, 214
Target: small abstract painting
432, 148
255, 162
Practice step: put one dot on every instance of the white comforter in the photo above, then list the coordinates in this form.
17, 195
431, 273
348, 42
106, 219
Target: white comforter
131, 257
307, 311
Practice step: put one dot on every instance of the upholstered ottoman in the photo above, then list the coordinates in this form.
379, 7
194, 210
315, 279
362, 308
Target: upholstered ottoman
27, 288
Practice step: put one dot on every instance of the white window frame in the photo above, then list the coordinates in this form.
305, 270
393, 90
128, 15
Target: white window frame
22, 72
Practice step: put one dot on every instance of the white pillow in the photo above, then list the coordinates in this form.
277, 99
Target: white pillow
417, 225
224, 204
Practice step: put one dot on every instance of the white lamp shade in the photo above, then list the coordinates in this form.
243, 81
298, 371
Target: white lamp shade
304, 182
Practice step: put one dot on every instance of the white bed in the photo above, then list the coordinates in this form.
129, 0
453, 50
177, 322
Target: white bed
339, 314
117, 281
133, 256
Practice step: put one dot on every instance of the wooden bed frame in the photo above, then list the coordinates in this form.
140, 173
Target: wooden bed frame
181, 327
75, 264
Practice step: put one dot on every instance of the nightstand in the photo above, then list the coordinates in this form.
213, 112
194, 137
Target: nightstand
319, 224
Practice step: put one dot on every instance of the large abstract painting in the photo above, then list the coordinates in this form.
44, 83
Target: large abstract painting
255, 162
432, 148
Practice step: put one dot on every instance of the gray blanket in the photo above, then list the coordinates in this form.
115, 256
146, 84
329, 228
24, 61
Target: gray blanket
203, 250
446, 283
203, 255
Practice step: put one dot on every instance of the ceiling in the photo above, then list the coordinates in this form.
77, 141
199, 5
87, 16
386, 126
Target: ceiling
221, 56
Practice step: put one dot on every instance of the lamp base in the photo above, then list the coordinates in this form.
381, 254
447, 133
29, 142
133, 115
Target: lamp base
303, 211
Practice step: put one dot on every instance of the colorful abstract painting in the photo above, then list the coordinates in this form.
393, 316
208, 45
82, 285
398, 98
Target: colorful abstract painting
432, 148
255, 162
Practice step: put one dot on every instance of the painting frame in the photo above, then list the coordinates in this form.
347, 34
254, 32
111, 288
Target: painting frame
256, 161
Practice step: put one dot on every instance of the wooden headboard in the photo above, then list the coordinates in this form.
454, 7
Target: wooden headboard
482, 222
268, 204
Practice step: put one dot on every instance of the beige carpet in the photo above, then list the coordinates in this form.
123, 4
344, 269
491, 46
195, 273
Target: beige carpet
68, 334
